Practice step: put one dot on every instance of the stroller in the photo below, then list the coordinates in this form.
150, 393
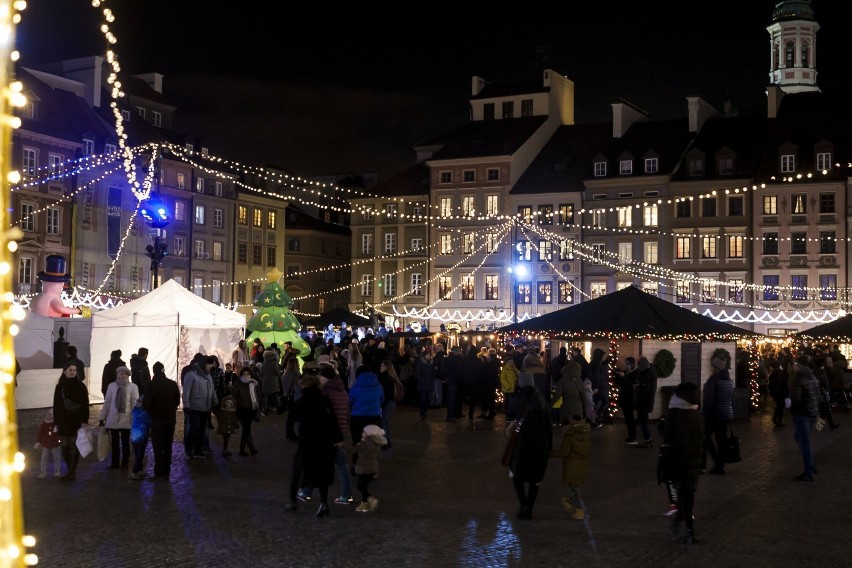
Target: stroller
841, 398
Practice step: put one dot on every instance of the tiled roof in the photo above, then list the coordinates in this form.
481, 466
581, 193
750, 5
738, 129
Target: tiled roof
411, 181
743, 135
299, 219
491, 91
483, 138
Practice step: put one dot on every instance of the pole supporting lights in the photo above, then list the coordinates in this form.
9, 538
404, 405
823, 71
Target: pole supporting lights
157, 217
517, 270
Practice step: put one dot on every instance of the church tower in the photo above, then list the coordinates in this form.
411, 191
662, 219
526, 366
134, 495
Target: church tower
792, 47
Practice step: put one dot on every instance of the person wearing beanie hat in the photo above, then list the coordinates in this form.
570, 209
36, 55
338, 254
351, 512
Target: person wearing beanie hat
718, 410
682, 455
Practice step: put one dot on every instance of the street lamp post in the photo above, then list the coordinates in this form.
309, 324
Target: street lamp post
157, 217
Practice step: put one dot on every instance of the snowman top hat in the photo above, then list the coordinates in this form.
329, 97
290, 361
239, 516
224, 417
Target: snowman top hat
54, 269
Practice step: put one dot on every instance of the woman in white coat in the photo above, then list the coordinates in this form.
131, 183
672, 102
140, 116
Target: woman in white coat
116, 415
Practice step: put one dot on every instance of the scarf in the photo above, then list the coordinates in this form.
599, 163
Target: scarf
251, 383
121, 396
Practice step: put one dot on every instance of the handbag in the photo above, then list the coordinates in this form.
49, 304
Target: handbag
70, 405
85, 443
103, 443
732, 448
513, 432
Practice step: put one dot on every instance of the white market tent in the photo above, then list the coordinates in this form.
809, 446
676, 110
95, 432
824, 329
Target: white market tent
172, 322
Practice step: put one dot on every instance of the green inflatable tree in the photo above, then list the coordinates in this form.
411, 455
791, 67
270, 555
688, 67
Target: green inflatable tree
274, 322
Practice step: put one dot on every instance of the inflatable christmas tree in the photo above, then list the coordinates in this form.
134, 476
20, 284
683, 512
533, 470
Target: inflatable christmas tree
274, 322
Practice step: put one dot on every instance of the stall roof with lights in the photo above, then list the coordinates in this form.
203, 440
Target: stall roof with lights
628, 313
336, 317
837, 331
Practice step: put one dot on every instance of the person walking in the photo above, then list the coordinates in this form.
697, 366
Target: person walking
365, 403
804, 406
71, 412
199, 398
646, 394
718, 411
270, 381
370, 449
528, 461
116, 415
162, 402
109, 369
247, 398
684, 435
331, 386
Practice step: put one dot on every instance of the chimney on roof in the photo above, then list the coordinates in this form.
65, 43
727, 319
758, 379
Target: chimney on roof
476, 85
774, 94
699, 111
623, 116
154, 80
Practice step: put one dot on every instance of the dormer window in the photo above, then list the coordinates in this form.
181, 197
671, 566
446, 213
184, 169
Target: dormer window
109, 149
125, 115
651, 165
625, 167
140, 111
823, 160
88, 147
600, 169
696, 166
788, 163
726, 165
156, 119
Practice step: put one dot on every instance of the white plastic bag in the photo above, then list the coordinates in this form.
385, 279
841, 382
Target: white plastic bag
85, 443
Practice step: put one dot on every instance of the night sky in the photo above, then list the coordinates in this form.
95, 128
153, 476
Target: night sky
318, 89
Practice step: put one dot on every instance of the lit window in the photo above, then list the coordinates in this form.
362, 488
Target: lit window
735, 291
708, 246
492, 287
651, 253
649, 215
708, 293
566, 293
736, 246
683, 294
468, 206
258, 217
446, 207
566, 214
467, 243
625, 253
545, 251
770, 287
523, 293
492, 207
181, 180
800, 204
683, 246
544, 293
445, 287
242, 215
271, 219
199, 214
367, 243
770, 205
467, 287
597, 289
827, 286
180, 246
799, 287
625, 216
416, 284
217, 251
446, 244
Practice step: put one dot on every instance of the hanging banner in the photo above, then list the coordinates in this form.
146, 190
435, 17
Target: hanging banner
113, 221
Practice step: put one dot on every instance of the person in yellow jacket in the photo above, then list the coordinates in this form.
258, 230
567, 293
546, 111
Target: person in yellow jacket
508, 384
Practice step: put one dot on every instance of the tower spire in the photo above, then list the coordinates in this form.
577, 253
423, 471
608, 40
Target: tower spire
792, 47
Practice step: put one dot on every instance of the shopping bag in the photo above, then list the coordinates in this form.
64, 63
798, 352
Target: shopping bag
103, 443
732, 448
85, 443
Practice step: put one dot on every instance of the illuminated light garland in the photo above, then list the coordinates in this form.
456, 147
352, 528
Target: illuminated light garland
555, 269
54, 175
485, 314
120, 248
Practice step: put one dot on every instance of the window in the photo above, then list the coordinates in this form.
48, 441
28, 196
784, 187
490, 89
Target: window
488, 111
418, 210
255, 290
545, 251
492, 287
140, 111
217, 188
798, 243
492, 242
200, 247
217, 251
597, 289
240, 293
736, 246
597, 252
446, 177
625, 167
708, 293
599, 218
827, 286
649, 215
492, 174
736, 206
566, 214
492, 205
367, 214
508, 109
799, 285
651, 253
445, 287
366, 284
180, 211
29, 165
125, 115
109, 149
523, 293
216, 291
800, 204
823, 161
390, 243
27, 217
467, 287
725, 165
523, 250
446, 207
293, 272
525, 213
181, 180
446, 244
735, 290
652, 288
88, 147
788, 163
271, 252
770, 243
600, 169
651, 165
294, 244
156, 118
683, 209
467, 243
198, 285
625, 253
257, 217
544, 293
827, 242
683, 247
695, 165
417, 284
770, 205
708, 207
566, 293
52, 220
391, 210
389, 284
708, 246
180, 246
468, 175
468, 207
545, 214
257, 254
526, 107
242, 215
25, 270
199, 214
770, 288
416, 245
54, 162
566, 249
218, 218
826, 203
625, 216
683, 294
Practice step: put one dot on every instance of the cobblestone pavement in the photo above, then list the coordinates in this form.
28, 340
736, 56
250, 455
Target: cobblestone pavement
446, 501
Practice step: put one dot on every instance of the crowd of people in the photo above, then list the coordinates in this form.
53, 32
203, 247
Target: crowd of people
339, 401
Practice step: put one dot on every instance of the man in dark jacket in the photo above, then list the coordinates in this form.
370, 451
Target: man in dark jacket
109, 369
140, 374
472, 376
718, 411
804, 406
161, 402
646, 392
627, 382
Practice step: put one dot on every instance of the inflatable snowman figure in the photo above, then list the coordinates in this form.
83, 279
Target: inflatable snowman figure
48, 302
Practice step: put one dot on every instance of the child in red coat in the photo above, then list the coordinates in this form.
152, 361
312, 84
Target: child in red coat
48, 440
